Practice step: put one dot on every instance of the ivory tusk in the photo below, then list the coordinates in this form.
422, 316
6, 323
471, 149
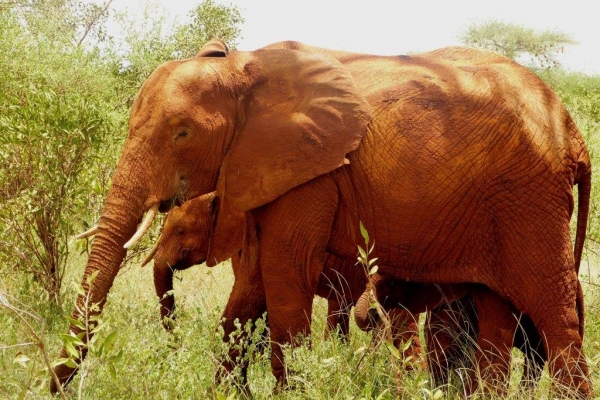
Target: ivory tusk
143, 228
151, 254
90, 232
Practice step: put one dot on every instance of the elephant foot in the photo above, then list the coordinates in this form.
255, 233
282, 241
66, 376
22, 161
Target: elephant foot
414, 364
284, 385
570, 376
64, 374
234, 371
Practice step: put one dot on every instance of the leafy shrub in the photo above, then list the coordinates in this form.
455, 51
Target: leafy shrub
56, 113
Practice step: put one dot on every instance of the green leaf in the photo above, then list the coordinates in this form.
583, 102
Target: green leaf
117, 358
364, 232
60, 361
393, 350
76, 323
71, 350
79, 289
112, 370
109, 342
21, 359
373, 270
92, 277
99, 326
72, 339
363, 255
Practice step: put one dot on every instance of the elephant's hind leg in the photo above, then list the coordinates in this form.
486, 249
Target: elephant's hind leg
536, 272
338, 319
451, 335
497, 325
528, 340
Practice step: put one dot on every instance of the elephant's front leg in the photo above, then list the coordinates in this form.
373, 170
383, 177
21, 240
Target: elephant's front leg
405, 329
338, 319
246, 302
451, 330
294, 231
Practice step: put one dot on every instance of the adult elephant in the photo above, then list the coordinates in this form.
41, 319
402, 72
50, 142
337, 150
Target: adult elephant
459, 162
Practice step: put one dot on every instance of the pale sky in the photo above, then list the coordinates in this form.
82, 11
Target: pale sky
391, 27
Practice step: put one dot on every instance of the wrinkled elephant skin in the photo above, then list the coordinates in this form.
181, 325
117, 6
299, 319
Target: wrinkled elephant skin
460, 164
463, 319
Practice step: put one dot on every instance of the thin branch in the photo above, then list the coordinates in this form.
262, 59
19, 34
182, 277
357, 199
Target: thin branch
93, 21
3, 347
38, 340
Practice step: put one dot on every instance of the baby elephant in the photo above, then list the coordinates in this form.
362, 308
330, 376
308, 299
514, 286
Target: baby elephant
184, 242
464, 319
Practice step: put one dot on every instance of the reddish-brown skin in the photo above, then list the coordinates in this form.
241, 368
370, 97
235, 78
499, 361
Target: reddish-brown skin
452, 332
455, 323
460, 163
184, 242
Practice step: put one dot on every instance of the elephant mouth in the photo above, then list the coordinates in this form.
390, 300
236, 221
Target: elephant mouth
185, 252
166, 205
180, 197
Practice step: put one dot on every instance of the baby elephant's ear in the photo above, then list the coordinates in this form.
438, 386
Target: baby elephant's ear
213, 48
302, 114
227, 236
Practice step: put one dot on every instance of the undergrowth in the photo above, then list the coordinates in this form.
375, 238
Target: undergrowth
182, 365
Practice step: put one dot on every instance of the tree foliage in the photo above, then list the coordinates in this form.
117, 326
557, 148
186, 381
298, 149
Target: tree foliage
207, 21
517, 42
64, 98
155, 39
55, 113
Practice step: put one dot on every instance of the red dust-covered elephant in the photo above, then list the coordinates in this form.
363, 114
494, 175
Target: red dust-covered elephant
459, 162
467, 326
183, 242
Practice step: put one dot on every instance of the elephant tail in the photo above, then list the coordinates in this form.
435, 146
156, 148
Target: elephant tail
584, 182
580, 308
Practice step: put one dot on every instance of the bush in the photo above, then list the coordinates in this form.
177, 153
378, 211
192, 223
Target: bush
57, 112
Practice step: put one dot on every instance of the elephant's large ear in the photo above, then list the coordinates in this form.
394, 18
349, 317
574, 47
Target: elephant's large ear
302, 113
213, 48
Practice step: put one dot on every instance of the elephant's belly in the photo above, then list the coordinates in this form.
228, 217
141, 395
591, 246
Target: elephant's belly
447, 237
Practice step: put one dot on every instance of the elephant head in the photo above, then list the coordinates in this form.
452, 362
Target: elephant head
183, 242
251, 125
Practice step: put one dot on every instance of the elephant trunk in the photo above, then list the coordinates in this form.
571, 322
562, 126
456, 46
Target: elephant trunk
123, 210
366, 318
163, 284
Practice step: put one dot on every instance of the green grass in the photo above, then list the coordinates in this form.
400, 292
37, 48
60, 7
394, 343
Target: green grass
157, 365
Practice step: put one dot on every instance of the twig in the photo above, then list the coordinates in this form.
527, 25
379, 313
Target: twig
38, 340
93, 21
387, 329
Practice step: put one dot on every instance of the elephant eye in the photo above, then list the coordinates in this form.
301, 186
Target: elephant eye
181, 134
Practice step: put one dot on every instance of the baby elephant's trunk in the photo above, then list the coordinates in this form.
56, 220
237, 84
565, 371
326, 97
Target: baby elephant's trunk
365, 316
